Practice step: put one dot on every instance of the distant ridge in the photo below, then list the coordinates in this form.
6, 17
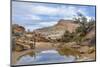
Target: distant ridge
61, 25
56, 31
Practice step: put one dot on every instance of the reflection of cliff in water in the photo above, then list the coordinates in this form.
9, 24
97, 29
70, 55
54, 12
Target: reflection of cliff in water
67, 51
31, 53
62, 54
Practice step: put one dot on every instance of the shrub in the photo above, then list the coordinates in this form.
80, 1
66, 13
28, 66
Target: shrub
67, 37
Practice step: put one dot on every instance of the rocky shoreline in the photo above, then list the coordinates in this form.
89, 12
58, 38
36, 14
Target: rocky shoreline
83, 53
67, 37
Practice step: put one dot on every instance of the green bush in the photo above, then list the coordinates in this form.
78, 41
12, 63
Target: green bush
67, 37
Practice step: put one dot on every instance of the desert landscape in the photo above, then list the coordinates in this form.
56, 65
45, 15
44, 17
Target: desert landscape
59, 37
66, 41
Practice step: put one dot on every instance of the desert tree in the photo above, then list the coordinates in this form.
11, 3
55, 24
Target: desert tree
81, 31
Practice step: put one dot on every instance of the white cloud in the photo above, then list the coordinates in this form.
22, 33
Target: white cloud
83, 11
59, 11
51, 23
35, 17
40, 25
89, 18
63, 12
24, 12
45, 10
68, 11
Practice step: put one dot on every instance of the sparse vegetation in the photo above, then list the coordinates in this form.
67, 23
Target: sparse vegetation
84, 28
67, 37
65, 41
81, 31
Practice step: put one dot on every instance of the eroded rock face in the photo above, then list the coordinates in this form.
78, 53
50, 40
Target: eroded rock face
57, 31
53, 34
68, 24
21, 39
17, 29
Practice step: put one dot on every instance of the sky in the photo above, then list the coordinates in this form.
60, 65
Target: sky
38, 15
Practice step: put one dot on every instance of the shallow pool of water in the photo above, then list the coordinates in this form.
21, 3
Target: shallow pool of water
43, 57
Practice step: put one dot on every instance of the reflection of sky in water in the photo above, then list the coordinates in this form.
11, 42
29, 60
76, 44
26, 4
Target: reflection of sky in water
50, 56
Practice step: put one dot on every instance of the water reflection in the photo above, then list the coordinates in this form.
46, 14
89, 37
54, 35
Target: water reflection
49, 56
68, 51
31, 53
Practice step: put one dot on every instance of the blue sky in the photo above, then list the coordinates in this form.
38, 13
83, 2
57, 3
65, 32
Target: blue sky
38, 15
